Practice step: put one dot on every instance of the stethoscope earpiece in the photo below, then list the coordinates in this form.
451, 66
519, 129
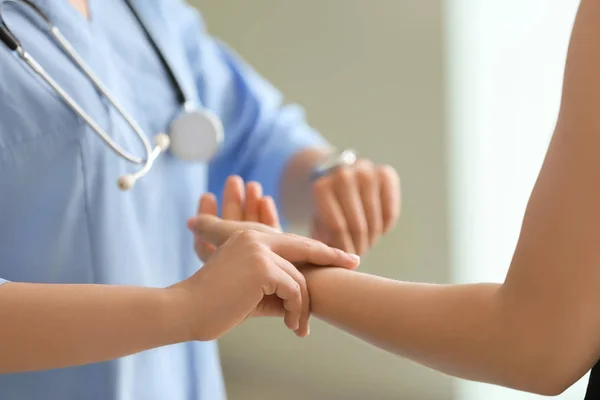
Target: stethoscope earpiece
162, 141
161, 144
126, 182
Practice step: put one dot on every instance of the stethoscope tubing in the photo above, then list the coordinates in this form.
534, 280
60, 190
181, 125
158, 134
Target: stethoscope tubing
68, 49
162, 141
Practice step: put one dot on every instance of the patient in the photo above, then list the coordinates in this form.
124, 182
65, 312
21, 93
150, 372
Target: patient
539, 331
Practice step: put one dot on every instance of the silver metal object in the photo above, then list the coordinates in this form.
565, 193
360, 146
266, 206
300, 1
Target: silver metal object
336, 160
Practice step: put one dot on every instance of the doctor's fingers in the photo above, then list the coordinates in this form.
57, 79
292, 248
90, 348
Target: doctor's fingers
330, 213
297, 305
268, 213
262, 269
249, 204
368, 183
254, 194
303, 250
233, 198
207, 205
348, 195
217, 231
204, 250
256, 208
390, 189
294, 248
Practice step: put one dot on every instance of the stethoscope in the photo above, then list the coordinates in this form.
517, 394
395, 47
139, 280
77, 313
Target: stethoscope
194, 135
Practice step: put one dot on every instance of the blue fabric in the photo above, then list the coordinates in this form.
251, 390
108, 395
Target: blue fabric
63, 219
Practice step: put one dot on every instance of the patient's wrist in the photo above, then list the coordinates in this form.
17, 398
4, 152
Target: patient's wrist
325, 285
312, 272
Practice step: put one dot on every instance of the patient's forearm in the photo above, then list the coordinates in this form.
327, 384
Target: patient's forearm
457, 329
54, 326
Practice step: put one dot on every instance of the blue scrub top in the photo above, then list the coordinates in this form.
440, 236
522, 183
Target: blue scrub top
62, 217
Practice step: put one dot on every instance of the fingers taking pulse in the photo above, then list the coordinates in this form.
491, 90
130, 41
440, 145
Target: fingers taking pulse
258, 263
249, 241
293, 248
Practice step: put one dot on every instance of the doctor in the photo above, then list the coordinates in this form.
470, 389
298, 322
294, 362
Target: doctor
85, 264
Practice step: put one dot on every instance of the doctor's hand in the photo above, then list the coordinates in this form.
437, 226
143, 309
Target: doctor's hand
252, 273
355, 205
240, 203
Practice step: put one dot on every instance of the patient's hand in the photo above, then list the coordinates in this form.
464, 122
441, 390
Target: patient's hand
239, 204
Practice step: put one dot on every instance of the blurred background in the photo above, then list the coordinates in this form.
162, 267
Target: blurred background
461, 97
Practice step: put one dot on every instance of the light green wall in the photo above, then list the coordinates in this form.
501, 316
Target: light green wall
369, 74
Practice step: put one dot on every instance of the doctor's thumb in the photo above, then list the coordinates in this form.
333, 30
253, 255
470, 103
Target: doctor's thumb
212, 229
217, 231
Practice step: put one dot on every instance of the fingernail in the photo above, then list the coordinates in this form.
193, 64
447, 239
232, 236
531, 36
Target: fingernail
355, 257
302, 334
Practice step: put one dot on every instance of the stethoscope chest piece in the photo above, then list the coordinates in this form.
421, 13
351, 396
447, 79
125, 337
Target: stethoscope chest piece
196, 135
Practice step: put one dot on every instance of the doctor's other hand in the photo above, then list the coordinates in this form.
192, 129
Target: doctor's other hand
355, 205
252, 273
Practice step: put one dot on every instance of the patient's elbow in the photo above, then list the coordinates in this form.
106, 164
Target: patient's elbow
551, 387
552, 373
545, 348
